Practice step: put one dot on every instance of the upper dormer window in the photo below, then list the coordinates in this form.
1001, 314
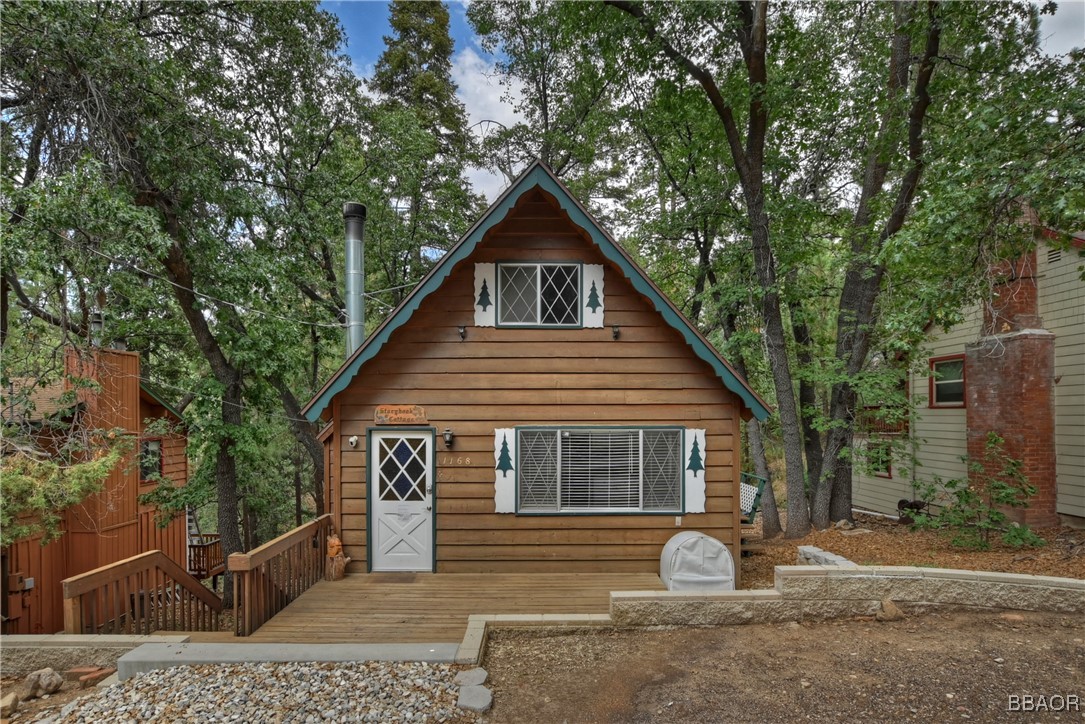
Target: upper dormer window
527, 294
538, 294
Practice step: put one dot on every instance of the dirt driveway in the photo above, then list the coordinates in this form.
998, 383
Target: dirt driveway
931, 668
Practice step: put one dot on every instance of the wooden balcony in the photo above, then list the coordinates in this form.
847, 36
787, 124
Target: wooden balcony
205, 555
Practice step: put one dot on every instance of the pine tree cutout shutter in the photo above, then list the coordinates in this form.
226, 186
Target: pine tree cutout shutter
592, 295
485, 295
505, 470
695, 463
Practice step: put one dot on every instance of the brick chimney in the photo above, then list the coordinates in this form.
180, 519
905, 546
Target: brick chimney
1010, 389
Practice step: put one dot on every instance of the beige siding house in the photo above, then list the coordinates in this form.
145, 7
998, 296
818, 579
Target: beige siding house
1016, 368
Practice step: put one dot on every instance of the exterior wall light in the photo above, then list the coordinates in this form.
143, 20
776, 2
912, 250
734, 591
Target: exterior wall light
449, 436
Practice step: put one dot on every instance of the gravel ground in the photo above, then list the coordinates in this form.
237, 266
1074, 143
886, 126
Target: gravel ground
354, 692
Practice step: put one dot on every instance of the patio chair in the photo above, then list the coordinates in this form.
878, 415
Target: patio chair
750, 488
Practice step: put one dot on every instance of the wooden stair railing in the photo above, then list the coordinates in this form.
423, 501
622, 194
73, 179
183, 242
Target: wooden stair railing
268, 578
139, 595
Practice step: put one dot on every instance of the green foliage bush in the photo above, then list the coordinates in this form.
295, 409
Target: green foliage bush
972, 510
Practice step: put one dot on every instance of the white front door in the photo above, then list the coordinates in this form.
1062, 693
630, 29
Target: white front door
401, 498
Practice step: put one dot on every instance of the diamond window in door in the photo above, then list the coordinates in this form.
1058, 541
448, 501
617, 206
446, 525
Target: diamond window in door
403, 474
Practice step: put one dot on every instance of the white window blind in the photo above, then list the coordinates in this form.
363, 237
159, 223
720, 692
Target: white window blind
600, 469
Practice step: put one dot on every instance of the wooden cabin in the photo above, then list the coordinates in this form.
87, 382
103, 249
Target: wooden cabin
110, 525
535, 404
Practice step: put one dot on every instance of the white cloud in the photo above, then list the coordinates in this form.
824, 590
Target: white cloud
483, 96
1065, 30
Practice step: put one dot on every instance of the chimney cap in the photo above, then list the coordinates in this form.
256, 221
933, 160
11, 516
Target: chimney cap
354, 210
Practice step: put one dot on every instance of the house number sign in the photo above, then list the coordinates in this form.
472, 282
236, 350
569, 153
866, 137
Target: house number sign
399, 415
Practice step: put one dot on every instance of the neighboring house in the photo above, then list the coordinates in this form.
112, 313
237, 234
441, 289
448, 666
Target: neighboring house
535, 404
1016, 367
108, 526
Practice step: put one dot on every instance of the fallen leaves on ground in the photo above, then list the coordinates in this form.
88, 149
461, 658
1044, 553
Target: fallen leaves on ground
890, 544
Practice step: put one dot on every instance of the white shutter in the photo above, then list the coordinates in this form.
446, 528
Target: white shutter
485, 299
591, 296
504, 469
695, 463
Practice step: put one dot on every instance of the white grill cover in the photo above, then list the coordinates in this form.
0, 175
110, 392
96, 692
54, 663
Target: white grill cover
693, 561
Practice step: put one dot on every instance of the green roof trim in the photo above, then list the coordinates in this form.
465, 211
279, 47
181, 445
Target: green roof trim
159, 399
537, 175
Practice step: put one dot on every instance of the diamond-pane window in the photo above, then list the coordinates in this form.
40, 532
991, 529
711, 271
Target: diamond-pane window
600, 469
543, 294
402, 475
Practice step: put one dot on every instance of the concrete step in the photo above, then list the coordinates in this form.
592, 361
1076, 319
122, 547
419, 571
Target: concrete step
150, 657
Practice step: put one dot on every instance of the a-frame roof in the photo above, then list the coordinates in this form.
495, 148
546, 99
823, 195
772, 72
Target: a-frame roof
536, 176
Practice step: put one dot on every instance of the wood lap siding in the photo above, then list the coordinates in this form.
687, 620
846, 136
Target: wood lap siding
500, 377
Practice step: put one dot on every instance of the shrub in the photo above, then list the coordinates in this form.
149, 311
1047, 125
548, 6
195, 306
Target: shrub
974, 509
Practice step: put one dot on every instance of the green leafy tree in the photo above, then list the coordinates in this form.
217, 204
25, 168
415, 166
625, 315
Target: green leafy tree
179, 161
424, 202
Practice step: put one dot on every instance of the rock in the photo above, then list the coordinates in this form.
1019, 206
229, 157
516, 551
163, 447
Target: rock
805, 684
9, 704
1012, 617
856, 531
843, 525
471, 677
889, 612
42, 681
475, 698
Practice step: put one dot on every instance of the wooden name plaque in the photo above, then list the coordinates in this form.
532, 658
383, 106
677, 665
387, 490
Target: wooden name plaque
400, 415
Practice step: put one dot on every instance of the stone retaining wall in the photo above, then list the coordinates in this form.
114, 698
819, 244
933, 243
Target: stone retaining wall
819, 593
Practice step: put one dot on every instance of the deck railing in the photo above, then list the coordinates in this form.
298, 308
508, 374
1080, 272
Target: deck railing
205, 555
268, 578
139, 595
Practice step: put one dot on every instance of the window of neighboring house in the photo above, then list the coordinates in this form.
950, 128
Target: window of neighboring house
947, 381
150, 459
599, 470
538, 294
879, 456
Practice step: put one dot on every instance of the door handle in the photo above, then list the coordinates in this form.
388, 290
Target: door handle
429, 507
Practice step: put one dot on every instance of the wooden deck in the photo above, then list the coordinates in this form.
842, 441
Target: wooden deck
433, 608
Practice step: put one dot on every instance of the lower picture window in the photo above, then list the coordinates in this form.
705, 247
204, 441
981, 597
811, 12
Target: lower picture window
600, 470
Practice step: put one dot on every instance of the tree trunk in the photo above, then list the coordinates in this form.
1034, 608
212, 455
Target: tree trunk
770, 514
804, 356
305, 433
862, 283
